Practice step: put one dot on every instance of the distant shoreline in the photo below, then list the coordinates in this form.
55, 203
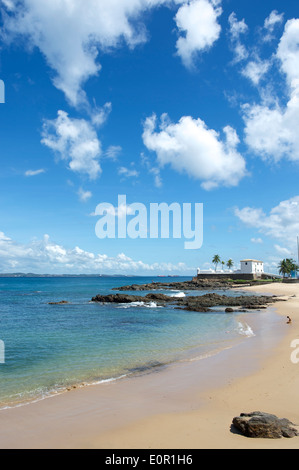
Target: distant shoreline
19, 275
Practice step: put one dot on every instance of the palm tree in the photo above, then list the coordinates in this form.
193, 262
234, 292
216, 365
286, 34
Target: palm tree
223, 264
216, 260
286, 266
230, 263
293, 265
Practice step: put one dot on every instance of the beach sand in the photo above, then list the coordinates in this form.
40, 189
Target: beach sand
189, 405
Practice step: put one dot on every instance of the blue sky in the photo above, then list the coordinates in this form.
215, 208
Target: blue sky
160, 100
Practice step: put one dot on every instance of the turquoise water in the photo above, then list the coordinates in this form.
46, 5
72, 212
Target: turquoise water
50, 347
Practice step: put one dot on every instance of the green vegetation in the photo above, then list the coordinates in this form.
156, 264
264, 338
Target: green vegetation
230, 263
217, 260
286, 266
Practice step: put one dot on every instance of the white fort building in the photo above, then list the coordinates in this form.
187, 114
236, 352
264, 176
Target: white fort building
251, 266
249, 269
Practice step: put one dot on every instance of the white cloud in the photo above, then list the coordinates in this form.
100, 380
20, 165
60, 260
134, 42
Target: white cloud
127, 172
100, 115
256, 240
34, 172
272, 131
45, 256
113, 152
157, 176
190, 147
120, 211
74, 140
153, 170
84, 195
71, 36
9, 4
236, 29
270, 23
256, 69
282, 223
282, 251
197, 20
288, 52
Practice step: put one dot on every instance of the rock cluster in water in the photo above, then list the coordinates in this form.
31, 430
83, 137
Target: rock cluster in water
200, 303
194, 284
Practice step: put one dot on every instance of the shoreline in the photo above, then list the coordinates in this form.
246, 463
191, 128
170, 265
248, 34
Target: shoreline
169, 408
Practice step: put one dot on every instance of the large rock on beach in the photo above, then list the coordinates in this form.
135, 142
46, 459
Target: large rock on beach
264, 425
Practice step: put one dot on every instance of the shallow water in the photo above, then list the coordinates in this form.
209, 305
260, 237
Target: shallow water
51, 347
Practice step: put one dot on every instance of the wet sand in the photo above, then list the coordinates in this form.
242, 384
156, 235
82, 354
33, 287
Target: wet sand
188, 405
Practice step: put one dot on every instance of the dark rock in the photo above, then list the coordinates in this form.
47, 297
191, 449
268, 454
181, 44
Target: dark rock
264, 425
116, 298
199, 303
158, 297
195, 308
229, 310
194, 284
62, 302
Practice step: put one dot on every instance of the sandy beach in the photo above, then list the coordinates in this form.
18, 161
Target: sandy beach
189, 405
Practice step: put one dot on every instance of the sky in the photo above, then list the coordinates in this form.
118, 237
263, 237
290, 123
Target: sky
163, 101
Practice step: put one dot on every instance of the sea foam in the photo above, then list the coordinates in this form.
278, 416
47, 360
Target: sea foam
140, 304
179, 294
245, 330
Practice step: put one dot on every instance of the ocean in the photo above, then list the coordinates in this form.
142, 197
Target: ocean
49, 348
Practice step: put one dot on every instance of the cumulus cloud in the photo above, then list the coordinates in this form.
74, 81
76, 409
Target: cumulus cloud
272, 131
288, 52
75, 141
282, 222
190, 147
46, 256
197, 21
71, 36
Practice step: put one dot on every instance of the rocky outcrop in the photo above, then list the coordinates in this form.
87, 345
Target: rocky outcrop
199, 303
194, 284
126, 298
264, 425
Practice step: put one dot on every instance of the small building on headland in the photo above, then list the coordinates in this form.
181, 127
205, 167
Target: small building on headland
249, 269
252, 266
